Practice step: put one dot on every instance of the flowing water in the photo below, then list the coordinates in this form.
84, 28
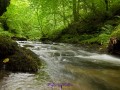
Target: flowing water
65, 64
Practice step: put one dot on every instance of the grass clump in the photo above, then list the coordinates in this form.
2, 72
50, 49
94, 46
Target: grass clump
116, 33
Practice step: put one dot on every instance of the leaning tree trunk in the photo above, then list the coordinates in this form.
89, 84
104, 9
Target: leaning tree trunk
75, 11
3, 6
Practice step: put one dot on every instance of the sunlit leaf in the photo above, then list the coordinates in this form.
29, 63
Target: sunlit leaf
6, 60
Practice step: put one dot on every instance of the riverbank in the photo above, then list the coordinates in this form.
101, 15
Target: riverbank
17, 59
89, 45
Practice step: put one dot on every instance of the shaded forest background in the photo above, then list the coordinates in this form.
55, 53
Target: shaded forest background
72, 21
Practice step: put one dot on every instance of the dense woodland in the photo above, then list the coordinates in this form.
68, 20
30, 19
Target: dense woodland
72, 21
34, 37
84, 22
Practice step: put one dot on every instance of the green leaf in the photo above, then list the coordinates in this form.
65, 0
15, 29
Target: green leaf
6, 60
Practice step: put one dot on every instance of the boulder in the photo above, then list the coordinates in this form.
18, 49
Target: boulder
15, 58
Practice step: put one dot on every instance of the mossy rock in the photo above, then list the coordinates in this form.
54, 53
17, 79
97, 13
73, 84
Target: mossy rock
7, 47
23, 60
20, 59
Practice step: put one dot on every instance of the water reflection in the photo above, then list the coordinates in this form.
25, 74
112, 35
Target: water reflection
95, 79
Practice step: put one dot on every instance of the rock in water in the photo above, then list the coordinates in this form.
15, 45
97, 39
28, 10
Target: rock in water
15, 58
114, 46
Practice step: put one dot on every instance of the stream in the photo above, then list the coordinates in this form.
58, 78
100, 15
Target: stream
66, 67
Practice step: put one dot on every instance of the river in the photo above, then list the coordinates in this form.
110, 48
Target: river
68, 66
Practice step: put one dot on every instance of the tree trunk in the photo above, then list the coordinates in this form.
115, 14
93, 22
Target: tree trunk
64, 18
3, 6
106, 5
75, 13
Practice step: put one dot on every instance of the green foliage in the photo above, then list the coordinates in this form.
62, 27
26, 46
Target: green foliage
116, 33
100, 39
4, 33
103, 38
35, 19
70, 39
107, 29
33, 35
115, 7
90, 41
54, 34
20, 18
70, 21
86, 36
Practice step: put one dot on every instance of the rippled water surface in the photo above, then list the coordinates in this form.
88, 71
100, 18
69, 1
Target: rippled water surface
65, 63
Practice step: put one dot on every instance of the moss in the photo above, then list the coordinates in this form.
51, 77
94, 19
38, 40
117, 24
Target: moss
7, 47
20, 59
23, 60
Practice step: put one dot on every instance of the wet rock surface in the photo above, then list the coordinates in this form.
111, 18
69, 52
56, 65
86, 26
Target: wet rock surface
114, 46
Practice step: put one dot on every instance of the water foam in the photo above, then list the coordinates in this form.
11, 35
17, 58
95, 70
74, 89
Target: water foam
102, 57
